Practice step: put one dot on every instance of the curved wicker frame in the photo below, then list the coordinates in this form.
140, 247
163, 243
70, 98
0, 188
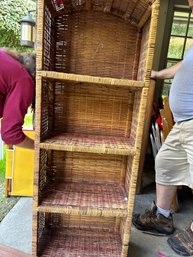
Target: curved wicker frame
94, 60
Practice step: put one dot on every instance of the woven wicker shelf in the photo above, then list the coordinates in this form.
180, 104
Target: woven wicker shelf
80, 242
89, 143
134, 84
86, 198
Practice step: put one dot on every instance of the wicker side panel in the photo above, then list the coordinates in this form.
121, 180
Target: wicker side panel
47, 108
42, 225
45, 174
77, 108
137, 55
35, 233
49, 41
125, 231
143, 50
122, 227
128, 174
135, 117
85, 46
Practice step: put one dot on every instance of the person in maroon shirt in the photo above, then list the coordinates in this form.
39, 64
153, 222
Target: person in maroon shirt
17, 87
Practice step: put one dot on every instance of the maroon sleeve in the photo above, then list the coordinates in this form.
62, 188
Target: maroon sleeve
16, 105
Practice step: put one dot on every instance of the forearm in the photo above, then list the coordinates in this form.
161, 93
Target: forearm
167, 73
27, 143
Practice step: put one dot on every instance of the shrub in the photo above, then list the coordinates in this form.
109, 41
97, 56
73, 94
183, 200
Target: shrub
11, 12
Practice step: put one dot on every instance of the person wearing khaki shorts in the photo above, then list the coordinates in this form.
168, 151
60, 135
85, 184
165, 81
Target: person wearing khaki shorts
174, 161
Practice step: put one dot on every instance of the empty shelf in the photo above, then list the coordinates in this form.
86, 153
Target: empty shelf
89, 143
85, 199
79, 242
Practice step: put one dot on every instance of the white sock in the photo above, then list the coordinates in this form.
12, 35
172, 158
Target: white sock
192, 226
163, 212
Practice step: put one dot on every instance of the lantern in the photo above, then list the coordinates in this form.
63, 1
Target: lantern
27, 30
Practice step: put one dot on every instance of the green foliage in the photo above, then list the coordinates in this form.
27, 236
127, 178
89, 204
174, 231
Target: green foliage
3, 166
176, 48
11, 12
28, 121
179, 29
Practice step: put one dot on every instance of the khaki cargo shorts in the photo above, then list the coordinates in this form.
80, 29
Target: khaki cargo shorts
174, 161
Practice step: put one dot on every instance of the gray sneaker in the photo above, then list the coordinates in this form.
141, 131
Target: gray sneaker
152, 223
182, 242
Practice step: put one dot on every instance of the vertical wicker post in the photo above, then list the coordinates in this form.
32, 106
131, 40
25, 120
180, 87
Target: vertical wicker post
94, 60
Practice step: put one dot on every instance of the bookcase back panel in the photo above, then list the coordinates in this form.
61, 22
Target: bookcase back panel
97, 168
54, 220
73, 235
87, 183
70, 167
94, 109
90, 43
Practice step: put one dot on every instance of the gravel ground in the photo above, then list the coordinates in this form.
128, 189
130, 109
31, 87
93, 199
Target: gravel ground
6, 203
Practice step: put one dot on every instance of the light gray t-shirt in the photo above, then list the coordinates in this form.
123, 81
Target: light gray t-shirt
181, 92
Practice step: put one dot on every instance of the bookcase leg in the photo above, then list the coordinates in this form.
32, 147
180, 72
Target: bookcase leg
7, 187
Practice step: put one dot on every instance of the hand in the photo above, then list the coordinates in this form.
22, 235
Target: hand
27, 143
153, 74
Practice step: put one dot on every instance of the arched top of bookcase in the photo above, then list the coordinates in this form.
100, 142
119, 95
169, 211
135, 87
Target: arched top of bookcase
131, 11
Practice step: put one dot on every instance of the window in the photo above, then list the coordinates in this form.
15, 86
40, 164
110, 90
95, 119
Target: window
180, 40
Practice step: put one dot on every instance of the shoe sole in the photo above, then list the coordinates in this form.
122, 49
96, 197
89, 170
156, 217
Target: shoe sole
152, 231
171, 244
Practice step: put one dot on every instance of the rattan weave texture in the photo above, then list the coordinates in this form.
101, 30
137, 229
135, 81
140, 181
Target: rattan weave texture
71, 243
94, 60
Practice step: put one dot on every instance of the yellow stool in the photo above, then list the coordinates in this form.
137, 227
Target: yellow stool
19, 173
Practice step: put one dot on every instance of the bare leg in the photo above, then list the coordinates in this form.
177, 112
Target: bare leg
165, 195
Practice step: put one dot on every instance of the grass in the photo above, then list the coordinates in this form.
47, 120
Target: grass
3, 165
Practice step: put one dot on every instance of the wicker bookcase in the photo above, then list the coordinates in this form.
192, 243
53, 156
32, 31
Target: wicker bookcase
94, 60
